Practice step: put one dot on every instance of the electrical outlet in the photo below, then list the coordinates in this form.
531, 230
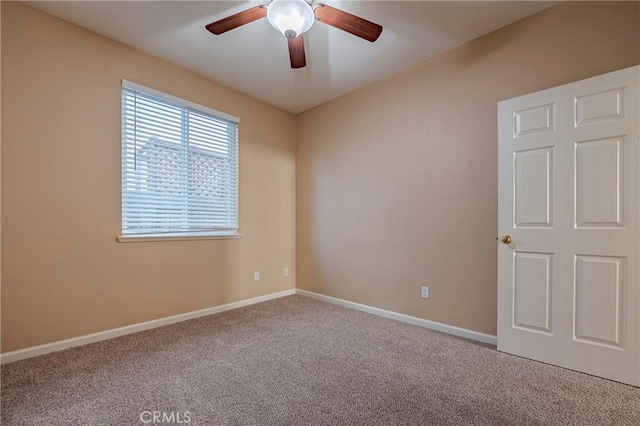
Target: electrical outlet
425, 292
256, 276
286, 272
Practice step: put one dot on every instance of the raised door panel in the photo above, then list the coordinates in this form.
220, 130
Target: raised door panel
532, 290
600, 106
534, 120
599, 183
599, 309
533, 188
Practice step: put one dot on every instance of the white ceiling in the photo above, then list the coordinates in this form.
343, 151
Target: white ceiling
254, 58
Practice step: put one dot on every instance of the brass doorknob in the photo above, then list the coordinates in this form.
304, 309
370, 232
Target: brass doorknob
506, 239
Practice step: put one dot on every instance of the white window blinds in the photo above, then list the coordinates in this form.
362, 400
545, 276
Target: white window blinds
179, 166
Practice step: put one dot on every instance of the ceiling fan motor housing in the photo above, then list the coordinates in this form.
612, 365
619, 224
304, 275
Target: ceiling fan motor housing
290, 17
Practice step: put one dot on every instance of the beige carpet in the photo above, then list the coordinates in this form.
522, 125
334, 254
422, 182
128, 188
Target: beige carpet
297, 361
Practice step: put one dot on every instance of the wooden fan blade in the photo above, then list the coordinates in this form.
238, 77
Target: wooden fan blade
348, 22
296, 52
234, 21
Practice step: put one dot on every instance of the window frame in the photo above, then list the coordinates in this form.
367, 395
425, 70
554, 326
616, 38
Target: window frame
177, 236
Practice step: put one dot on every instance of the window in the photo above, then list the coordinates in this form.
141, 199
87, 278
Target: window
179, 167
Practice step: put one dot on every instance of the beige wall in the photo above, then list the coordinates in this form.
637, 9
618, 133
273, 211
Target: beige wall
63, 274
397, 182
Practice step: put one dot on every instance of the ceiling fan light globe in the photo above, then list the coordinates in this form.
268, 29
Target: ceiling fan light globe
290, 16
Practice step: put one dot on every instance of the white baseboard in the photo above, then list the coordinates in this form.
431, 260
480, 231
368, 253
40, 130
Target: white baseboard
129, 329
449, 329
34, 351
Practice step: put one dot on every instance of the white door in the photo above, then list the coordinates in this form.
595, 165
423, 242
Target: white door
569, 189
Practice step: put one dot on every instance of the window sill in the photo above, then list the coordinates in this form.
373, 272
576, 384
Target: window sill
179, 237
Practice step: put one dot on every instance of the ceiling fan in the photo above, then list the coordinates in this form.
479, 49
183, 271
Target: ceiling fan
295, 17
